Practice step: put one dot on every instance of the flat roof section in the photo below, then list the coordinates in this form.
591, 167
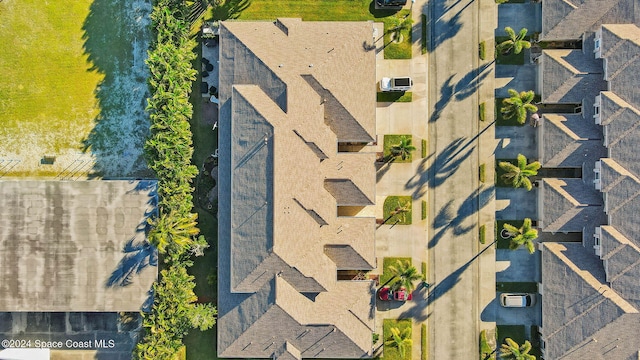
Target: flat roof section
69, 245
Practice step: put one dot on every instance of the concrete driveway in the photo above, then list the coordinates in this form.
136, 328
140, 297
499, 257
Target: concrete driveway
518, 316
514, 204
517, 266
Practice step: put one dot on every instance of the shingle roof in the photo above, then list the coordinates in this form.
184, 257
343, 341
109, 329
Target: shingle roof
63, 242
569, 76
578, 306
569, 19
570, 205
285, 103
621, 47
571, 141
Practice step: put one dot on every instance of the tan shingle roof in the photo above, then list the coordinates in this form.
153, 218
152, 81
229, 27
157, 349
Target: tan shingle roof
62, 241
290, 91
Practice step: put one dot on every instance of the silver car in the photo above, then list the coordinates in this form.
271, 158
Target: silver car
517, 300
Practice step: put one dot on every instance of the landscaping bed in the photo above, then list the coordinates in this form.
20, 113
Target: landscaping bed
391, 141
512, 58
504, 243
517, 287
515, 332
394, 96
390, 214
392, 353
390, 261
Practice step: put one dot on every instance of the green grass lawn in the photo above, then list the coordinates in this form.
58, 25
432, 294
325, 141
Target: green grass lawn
391, 203
504, 243
391, 141
390, 261
511, 58
73, 76
392, 353
201, 345
394, 96
515, 332
334, 10
517, 287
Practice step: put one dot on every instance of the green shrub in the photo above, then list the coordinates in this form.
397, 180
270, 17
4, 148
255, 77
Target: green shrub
423, 42
482, 234
424, 209
485, 349
481, 111
481, 50
482, 171
424, 269
423, 341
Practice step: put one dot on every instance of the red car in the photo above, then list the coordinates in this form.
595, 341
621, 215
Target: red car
402, 295
386, 294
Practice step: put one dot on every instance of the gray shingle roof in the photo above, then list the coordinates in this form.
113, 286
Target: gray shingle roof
621, 48
285, 103
570, 205
568, 19
570, 76
571, 141
61, 243
578, 306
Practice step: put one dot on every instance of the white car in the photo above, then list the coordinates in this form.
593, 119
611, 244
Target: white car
395, 84
517, 300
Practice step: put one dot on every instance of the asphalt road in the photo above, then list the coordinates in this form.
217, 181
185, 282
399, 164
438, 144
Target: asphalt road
453, 166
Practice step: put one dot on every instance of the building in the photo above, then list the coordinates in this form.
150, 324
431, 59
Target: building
590, 290
296, 115
76, 246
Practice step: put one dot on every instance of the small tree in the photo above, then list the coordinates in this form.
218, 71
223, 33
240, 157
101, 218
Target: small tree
518, 105
515, 43
518, 175
403, 149
400, 339
522, 236
406, 273
511, 350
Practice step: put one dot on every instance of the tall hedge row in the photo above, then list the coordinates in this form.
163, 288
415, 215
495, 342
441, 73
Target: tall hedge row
169, 150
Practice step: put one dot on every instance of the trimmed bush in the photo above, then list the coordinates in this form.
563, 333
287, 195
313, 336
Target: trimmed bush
424, 209
423, 42
424, 148
423, 341
482, 235
481, 111
482, 172
481, 50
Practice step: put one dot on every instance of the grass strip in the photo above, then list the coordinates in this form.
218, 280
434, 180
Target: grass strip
424, 148
482, 51
423, 41
424, 210
481, 109
481, 234
517, 287
394, 96
423, 342
482, 172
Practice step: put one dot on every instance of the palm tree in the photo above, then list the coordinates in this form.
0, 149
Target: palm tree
396, 31
403, 149
511, 350
518, 105
400, 339
406, 274
522, 236
518, 175
516, 42
168, 229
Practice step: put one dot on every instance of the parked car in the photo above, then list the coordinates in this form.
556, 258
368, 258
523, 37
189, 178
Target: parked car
391, 2
402, 295
395, 84
517, 300
385, 294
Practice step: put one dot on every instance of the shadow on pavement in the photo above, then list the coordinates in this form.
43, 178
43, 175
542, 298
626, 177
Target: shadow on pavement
461, 90
439, 289
445, 220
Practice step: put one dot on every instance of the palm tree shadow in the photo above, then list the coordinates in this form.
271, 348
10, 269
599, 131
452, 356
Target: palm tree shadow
441, 29
138, 256
435, 292
230, 9
445, 219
